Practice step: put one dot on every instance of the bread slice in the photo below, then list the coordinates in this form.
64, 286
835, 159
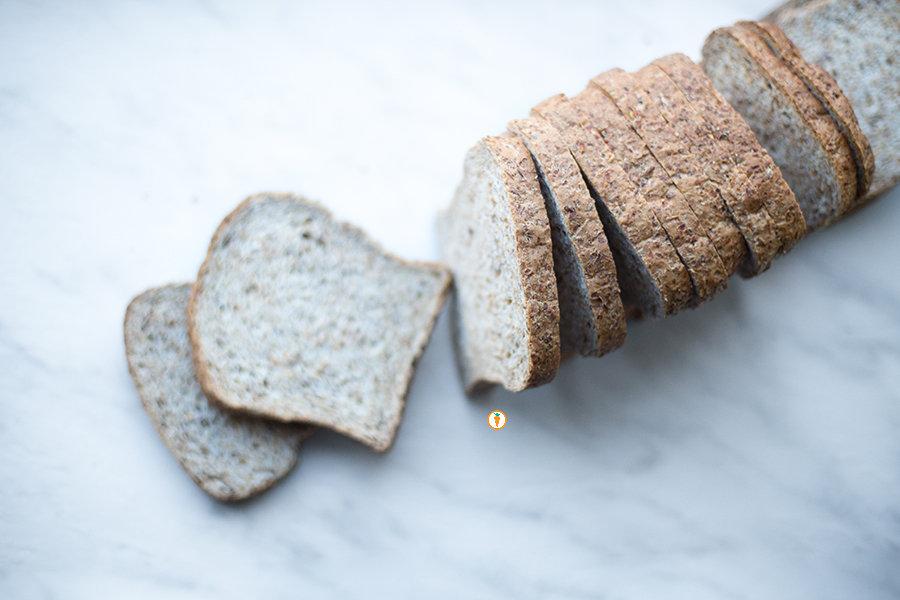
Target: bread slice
727, 126
651, 277
789, 122
614, 112
723, 178
298, 317
495, 238
230, 457
858, 43
591, 317
823, 86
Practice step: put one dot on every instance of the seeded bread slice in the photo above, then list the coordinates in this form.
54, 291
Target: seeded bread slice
858, 43
230, 457
298, 317
789, 122
642, 152
727, 126
724, 178
495, 238
826, 90
592, 320
651, 276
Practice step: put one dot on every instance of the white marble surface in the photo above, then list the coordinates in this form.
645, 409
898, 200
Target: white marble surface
748, 449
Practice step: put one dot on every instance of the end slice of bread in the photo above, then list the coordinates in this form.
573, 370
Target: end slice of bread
230, 457
789, 122
298, 317
495, 238
592, 320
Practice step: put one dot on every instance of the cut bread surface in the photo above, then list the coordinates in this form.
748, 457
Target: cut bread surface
592, 320
782, 114
230, 457
298, 317
729, 128
648, 268
495, 238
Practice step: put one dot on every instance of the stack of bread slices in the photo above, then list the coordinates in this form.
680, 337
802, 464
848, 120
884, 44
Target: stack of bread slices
642, 195
295, 320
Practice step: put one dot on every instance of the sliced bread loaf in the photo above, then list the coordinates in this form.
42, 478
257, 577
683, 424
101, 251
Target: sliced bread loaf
591, 317
858, 43
651, 277
723, 178
684, 229
495, 238
298, 317
230, 457
727, 126
789, 122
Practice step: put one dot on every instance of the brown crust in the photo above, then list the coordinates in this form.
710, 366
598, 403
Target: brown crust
811, 110
625, 203
560, 172
226, 401
729, 128
745, 208
534, 250
677, 151
694, 246
828, 92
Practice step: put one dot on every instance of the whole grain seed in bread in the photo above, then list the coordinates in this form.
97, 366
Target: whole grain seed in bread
651, 277
624, 109
802, 139
858, 43
744, 207
230, 457
495, 238
298, 317
592, 320
727, 126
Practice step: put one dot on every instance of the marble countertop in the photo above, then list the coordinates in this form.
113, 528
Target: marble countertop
746, 449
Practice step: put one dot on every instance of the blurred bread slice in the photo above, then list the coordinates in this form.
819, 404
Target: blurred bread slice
230, 457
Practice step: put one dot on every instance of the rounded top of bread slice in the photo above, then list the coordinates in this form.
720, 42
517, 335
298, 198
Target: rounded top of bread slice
495, 238
298, 317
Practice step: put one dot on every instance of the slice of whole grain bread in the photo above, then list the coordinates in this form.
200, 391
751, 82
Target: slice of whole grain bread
687, 233
651, 277
823, 86
727, 126
495, 238
723, 177
789, 122
592, 320
858, 43
230, 457
298, 317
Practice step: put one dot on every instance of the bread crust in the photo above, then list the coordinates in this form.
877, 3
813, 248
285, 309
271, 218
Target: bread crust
534, 251
729, 128
626, 110
821, 84
810, 108
744, 207
621, 197
558, 169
